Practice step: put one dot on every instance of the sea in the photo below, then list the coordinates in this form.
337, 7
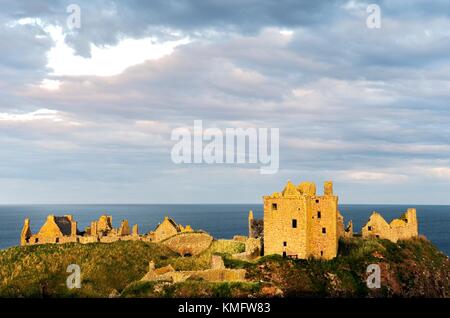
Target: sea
220, 220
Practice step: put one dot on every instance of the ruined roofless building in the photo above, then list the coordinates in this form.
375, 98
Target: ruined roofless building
56, 229
404, 228
167, 228
63, 229
300, 224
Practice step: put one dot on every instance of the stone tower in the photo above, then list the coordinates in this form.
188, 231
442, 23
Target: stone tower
299, 223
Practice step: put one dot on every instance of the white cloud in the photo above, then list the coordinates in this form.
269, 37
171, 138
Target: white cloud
107, 60
50, 85
381, 177
286, 32
40, 114
441, 172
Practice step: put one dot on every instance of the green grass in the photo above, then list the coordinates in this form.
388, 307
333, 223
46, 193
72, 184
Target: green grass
38, 271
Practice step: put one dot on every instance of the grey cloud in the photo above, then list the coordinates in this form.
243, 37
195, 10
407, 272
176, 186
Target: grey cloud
352, 100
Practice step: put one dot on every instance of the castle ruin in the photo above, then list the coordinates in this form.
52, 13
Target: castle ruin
299, 223
399, 229
63, 229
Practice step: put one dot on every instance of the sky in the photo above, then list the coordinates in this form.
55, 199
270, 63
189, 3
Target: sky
86, 114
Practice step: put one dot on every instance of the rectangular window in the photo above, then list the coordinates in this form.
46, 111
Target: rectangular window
369, 228
294, 223
324, 230
274, 206
319, 215
284, 243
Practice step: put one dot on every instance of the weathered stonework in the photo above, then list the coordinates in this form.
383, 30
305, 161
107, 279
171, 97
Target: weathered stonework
168, 228
404, 228
56, 229
217, 273
342, 230
188, 243
63, 229
255, 227
253, 249
301, 224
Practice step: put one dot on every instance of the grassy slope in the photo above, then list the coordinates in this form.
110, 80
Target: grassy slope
409, 268
36, 271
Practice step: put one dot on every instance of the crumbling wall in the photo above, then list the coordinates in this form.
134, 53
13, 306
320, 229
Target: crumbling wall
26, 232
218, 273
253, 250
189, 243
255, 227
124, 228
165, 230
404, 228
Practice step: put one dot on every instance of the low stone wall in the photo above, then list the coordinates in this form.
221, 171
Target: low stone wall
219, 275
191, 243
253, 248
88, 239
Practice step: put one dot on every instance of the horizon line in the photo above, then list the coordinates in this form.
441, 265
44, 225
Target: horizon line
216, 203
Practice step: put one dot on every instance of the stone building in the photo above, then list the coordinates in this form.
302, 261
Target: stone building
301, 224
56, 229
63, 229
167, 228
405, 227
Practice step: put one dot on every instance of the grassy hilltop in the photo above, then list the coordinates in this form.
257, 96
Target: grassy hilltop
413, 268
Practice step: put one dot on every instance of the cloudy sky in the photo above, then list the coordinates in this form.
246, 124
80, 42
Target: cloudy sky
86, 114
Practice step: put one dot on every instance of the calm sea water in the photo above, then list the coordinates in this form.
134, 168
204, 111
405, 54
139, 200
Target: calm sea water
221, 220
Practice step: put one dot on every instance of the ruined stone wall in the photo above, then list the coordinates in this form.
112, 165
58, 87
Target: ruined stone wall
26, 232
404, 228
189, 243
323, 232
218, 273
280, 237
348, 232
124, 228
49, 230
378, 227
340, 225
164, 231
